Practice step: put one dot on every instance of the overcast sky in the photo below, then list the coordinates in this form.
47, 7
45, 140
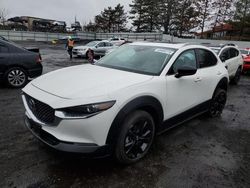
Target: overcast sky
61, 10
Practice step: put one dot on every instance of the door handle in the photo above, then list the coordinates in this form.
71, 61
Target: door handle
198, 79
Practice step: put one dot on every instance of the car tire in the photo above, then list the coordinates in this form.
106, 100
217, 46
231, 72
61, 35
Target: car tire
16, 77
136, 137
237, 76
217, 103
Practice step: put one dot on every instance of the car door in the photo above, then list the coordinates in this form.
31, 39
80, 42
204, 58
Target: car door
100, 49
4, 58
208, 73
108, 46
236, 59
229, 62
182, 93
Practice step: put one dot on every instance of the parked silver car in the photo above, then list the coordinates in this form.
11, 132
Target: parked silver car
99, 48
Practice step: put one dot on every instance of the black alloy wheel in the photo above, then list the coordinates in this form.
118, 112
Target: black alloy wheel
218, 103
136, 137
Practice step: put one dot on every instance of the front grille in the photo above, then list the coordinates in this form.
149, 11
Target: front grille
247, 62
42, 111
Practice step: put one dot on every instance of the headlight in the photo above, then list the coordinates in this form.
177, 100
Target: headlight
83, 111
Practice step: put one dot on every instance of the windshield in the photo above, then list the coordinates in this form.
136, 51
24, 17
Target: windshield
138, 58
91, 44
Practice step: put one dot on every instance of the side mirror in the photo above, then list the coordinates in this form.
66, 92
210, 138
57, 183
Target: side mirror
185, 71
96, 46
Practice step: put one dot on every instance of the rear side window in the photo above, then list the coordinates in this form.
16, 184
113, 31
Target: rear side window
233, 52
206, 58
225, 54
4, 49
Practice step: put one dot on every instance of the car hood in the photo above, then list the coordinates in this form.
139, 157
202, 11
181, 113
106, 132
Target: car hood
87, 81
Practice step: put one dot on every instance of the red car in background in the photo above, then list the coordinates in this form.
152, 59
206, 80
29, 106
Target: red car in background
246, 58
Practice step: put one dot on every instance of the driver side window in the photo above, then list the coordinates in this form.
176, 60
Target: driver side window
186, 60
102, 44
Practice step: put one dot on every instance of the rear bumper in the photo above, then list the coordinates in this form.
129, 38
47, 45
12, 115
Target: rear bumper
88, 149
35, 72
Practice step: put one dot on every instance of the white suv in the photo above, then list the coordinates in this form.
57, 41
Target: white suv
230, 55
118, 105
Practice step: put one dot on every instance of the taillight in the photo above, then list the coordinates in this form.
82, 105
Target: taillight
38, 59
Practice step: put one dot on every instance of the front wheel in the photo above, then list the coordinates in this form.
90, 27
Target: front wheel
16, 77
136, 137
217, 103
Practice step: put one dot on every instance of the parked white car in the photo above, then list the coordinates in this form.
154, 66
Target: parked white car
99, 48
119, 105
232, 59
117, 41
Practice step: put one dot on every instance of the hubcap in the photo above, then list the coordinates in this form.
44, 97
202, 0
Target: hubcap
218, 104
16, 77
138, 139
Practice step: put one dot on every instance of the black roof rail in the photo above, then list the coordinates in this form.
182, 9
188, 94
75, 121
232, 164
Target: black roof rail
229, 44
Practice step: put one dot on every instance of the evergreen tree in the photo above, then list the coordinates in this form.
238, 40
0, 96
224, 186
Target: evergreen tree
111, 20
184, 16
242, 15
146, 15
204, 8
167, 7
120, 18
137, 14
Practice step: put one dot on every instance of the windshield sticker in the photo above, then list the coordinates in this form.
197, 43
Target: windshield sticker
165, 51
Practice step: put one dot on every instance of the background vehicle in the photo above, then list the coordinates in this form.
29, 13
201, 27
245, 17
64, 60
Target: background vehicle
117, 41
245, 52
246, 59
118, 105
231, 57
17, 64
99, 48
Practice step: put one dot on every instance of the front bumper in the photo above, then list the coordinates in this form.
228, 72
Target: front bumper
50, 140
79, 53
86, 136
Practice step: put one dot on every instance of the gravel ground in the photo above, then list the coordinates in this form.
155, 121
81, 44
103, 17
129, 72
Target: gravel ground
200, 153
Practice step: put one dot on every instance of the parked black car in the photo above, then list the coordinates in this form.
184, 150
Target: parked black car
17, 64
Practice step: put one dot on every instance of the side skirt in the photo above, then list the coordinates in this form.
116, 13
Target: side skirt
184, 116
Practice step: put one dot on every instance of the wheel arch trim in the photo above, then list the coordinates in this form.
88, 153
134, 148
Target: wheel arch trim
147, 103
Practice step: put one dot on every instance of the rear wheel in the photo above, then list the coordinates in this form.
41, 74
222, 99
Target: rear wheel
136, 137
218, 103
16, 77
237, 76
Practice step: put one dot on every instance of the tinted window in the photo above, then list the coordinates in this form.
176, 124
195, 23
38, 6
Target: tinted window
225, 54
233, 52
206, 58
4, 49
101, 44
108, 44
186, 59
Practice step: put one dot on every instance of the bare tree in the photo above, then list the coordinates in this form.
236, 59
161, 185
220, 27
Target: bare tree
3, 15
